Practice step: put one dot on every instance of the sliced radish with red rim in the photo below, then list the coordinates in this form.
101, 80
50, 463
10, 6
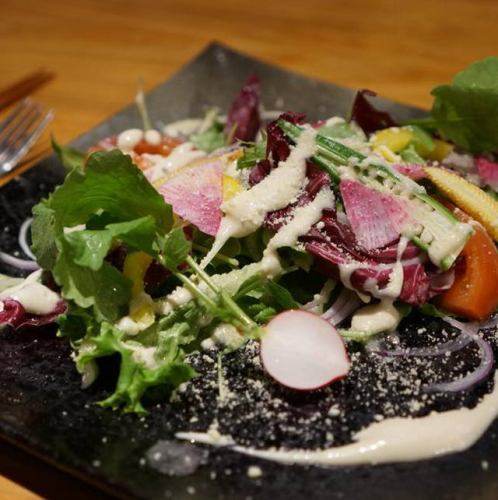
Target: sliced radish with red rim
303, 351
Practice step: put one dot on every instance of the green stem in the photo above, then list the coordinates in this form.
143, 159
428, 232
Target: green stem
141, 105
226, 299
195, 290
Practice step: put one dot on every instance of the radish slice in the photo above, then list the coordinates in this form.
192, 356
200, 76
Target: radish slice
196, 194
303, 351
412, 170
376, 218
488, 172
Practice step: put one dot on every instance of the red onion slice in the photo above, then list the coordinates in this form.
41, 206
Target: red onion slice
24, 265
469, 333
23, 238
438, 350
345, 304
473, 379
489, 323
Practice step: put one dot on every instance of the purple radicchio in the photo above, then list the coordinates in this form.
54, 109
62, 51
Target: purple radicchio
244, 112
14, 315
367, 116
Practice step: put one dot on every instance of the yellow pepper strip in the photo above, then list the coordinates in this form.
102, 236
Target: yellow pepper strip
467, 196
395, 138
231, 187
441, 151
135, 267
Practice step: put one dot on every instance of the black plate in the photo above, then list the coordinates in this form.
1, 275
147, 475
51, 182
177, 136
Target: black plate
44, 411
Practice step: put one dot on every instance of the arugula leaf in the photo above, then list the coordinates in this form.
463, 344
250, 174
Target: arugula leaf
90, 247
109, 183
105, 289
212, 137
466, 112
263, 298
174, 247
71, 158
281, 296
252, 154
265, 314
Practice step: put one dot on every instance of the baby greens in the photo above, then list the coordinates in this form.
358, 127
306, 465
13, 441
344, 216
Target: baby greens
466, 111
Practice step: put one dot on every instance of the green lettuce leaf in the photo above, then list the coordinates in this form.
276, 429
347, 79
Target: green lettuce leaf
466, 112
43, 234
154, 357
83, 274
109, 183
342, 130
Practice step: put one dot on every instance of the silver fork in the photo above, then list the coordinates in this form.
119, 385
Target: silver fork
19, 131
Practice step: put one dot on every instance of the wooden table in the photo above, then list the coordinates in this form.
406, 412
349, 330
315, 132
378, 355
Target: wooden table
99, 48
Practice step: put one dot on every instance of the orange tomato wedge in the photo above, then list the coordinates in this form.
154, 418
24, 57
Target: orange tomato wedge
474, 294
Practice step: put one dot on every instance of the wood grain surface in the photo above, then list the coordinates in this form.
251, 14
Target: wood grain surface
98, 49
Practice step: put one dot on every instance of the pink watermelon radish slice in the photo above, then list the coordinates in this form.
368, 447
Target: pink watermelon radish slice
488, 172
376, 218
196, 194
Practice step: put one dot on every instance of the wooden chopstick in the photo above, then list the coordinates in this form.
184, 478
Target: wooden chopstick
24, 87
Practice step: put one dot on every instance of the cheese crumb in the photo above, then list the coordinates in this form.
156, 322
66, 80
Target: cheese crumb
254, 471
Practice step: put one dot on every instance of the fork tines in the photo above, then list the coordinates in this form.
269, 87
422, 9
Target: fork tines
19, 131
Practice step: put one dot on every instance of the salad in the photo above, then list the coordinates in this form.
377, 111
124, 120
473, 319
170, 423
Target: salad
308, 244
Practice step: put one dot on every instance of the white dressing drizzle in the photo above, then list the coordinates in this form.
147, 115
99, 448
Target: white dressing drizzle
376, 318
32, 295
399, 439
245, 212
181, 156
393, 289
302, 220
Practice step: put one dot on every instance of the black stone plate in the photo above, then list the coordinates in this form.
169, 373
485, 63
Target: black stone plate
44, 412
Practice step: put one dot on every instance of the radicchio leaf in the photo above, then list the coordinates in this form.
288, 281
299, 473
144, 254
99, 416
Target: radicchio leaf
316, 180
277, 147
367, 116
244, 112
14, 315
335, 244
